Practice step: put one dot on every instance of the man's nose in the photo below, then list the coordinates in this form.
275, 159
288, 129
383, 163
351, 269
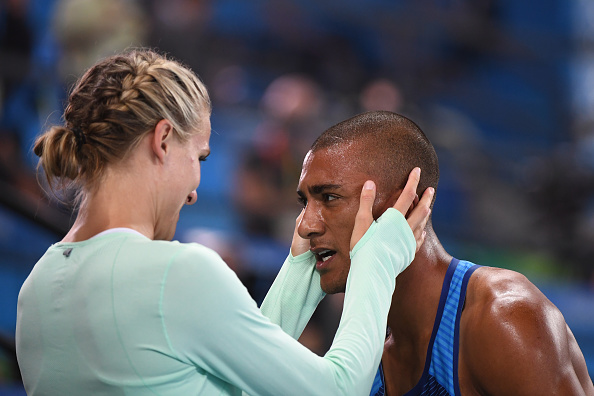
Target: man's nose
311, 223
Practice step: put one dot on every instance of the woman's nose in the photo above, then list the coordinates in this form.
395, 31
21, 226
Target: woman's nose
192, 198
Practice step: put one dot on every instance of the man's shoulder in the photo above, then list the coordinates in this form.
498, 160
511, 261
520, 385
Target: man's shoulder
499, 290
504, 305
508, 322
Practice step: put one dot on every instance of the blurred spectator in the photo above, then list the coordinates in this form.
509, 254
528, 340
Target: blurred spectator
230, 86
292, 116
89, 29
27, 86
381, 94
180, 27
14, 170
16, 45
561, 188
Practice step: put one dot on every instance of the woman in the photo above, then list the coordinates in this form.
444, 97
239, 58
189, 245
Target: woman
116, 308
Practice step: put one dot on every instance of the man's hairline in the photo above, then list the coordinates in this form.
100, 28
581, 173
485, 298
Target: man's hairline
377, 179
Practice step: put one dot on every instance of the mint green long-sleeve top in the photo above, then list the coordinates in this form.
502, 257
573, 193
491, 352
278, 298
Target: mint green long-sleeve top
120, 314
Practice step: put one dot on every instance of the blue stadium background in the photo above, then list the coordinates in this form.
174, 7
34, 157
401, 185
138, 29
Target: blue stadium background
503, 88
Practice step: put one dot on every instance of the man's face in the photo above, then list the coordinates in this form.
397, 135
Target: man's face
330, 188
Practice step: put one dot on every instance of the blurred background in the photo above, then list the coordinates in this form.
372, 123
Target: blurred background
504, 89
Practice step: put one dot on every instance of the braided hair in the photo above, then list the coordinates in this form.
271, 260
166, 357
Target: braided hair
112, 107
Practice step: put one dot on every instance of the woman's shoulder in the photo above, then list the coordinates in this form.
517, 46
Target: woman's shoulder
183, 254
184, 249
197, 264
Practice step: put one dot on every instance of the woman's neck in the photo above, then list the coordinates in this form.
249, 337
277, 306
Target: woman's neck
113, 205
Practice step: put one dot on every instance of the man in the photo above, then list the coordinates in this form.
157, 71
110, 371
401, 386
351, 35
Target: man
454, 328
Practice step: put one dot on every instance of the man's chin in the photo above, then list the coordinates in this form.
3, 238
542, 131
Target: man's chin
332, 287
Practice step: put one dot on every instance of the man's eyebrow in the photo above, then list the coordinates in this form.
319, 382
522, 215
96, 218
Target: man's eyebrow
320, 188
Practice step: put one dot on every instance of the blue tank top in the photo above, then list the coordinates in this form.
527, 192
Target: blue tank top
440, 375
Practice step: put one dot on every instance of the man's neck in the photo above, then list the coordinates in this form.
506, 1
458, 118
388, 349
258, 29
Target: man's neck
412, 315
418, 288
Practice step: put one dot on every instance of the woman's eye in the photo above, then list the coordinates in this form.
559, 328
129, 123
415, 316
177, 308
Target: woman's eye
202, 159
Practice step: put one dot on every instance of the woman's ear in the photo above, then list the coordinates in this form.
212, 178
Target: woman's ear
161, 139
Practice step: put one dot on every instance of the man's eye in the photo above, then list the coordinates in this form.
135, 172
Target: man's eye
302, 201
329, 197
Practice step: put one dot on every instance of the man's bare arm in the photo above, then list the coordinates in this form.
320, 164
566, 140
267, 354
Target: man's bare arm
515, 341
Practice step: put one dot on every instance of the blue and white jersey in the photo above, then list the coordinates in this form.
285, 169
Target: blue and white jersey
440, 376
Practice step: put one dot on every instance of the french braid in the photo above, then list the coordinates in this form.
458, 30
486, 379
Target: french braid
112, 106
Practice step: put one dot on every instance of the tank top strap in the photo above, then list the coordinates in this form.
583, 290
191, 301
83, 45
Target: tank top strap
440, 375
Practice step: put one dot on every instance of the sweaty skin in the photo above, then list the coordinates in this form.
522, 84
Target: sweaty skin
513, 340
337, 200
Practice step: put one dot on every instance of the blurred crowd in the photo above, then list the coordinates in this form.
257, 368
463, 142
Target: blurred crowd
489, 81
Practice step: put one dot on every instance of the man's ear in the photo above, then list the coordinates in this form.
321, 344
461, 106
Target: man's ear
384, 201
161, 139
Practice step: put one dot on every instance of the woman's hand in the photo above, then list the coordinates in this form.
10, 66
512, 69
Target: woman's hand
416, 214
299, 245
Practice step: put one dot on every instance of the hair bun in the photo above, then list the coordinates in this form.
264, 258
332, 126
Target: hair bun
80, 137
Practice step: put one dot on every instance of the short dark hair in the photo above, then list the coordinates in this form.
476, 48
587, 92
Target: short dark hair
393, 145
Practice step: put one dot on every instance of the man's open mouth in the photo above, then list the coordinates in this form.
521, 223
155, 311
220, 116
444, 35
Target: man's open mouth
324, 255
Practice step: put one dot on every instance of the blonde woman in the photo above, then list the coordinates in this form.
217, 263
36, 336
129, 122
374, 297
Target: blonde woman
116, 308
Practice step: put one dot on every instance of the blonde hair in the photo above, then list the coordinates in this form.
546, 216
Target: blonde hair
112, 107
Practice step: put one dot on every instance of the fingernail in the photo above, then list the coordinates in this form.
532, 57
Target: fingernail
431, 190
368, 185
418, 170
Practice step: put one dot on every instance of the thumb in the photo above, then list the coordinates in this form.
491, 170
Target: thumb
364, 216
299, 245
